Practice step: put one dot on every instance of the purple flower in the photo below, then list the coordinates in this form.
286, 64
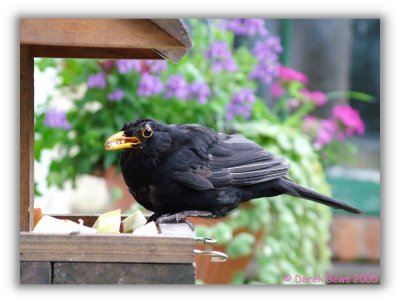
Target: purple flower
267, 48
56, 119
116, 95
97, 80
177, 87
267, 54
221, 57
199, 91
125, 66
241, 104
155, 66
149, 85
141, 66
245, 27
265, 71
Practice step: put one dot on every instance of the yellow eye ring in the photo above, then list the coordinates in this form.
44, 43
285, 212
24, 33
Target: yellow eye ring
147, 132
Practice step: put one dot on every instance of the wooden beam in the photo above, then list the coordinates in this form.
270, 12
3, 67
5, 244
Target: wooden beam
52, 51
176, 29
26, 138
106, 248
115, 33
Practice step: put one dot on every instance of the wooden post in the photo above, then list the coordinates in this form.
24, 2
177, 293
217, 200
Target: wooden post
26, 139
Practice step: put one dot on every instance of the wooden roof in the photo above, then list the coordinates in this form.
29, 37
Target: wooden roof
106, 38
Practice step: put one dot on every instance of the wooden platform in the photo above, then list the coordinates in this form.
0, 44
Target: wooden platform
109, 258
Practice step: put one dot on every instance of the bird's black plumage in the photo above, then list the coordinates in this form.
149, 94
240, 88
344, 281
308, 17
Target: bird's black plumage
187, 167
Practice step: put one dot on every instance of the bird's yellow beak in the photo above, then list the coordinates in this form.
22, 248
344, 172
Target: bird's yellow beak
120, 141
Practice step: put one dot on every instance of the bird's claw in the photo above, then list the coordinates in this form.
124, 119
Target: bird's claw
183, 217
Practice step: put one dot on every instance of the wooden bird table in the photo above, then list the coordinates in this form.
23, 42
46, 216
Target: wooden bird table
96, 258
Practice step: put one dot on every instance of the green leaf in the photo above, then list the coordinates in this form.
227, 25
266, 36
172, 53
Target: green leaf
222, 232
359, 96
302, 146
284, 141
241, 245
296, 117
43, 63
203, 231
294, 89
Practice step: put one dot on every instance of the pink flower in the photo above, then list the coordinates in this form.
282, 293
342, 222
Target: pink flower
277, 90
326, 132
318, 97
349, 119
288, 74
293, 103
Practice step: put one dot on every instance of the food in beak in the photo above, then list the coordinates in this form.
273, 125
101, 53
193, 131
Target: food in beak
120, 141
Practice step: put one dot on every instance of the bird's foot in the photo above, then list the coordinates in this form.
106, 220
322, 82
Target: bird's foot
183, 217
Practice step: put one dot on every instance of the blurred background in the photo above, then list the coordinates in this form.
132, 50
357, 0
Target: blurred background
306, 89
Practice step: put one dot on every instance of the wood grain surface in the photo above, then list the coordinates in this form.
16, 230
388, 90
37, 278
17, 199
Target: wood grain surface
106, 248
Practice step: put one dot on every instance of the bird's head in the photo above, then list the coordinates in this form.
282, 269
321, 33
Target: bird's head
142, 134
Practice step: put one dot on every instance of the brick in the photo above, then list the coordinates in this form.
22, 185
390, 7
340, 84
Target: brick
355, 238
344, 238
372, 239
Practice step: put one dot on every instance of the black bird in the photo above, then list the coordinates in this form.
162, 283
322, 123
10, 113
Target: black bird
190, 170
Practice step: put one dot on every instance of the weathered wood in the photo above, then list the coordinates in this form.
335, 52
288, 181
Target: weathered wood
35, 272
122, 273
117, 33
105, 248
93, 52
26, 137
82, 36
176, 29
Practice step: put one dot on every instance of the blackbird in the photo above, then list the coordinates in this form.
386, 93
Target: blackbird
185, 170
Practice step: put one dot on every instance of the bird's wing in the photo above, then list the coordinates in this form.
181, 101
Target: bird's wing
238, 161
194, 178
232, 161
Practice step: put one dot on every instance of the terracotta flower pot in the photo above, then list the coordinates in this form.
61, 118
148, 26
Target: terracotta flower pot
220, 273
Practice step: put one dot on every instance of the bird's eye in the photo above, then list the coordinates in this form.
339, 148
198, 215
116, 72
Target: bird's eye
147, 132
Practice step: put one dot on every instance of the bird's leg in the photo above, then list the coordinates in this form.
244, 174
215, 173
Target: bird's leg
154, 217
182, 217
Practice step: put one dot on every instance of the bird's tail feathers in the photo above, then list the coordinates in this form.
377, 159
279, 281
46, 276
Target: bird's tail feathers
290, 188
